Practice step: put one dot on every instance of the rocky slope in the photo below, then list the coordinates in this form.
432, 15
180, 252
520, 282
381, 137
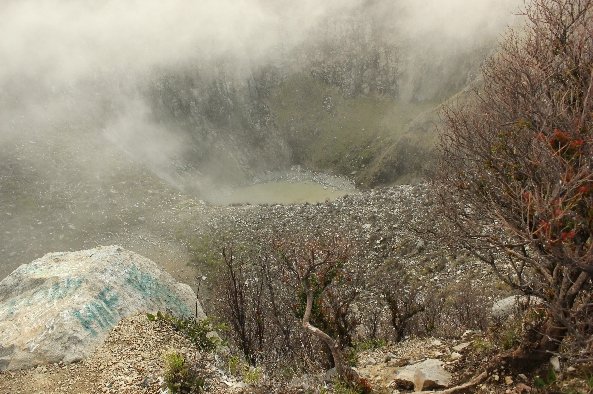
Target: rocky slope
131, 360
59, 193
60, 307
385, 225
381, 221
357, 96
102, 160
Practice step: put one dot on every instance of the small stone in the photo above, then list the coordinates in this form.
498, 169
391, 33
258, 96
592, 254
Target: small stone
571, 369
523, 377
419, 378
461, 346
426, 375
238, 385
420, 245
508, 380
455, 356
496, 377
330, 375
394, 362
522, 388
555, 363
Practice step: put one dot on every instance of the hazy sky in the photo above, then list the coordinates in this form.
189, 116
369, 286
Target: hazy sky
64, 40
74, 76
69, 60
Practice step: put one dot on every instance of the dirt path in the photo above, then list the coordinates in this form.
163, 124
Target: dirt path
131, 361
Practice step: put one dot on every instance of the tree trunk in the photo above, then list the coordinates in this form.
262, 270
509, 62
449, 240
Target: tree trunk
345, 372
539, 347
546, 339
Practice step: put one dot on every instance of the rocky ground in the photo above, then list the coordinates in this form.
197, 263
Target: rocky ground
131, 361
384, 223
48, 207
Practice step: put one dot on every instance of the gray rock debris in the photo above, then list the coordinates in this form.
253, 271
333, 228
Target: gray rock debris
426, 375
60, 307
506, 307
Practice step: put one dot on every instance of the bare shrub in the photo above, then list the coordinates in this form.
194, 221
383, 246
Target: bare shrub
253, 298
466, 307
266, 294
244, 305
403, 296
515, 179
315, 268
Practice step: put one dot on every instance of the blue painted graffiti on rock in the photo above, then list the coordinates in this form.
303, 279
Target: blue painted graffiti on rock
58, 290
62, 289
100, 313
151, 288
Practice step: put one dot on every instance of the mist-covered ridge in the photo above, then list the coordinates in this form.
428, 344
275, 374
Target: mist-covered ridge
111, 110
211, 89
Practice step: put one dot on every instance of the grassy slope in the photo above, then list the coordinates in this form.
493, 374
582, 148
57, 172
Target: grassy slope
349, 136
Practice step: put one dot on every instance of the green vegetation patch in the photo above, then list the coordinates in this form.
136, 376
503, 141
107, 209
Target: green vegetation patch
199, 332
347, 135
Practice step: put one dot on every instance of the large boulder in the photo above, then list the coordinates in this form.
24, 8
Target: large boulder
62, 306
426, 375
510, 306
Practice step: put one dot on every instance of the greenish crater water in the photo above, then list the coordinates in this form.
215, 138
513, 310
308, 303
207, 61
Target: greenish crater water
283, 192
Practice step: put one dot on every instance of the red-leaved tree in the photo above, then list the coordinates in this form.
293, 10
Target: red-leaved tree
516, 171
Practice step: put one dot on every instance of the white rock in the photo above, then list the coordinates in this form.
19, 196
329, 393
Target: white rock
555, 363
60, 307
508, 306
426, 375
461, 346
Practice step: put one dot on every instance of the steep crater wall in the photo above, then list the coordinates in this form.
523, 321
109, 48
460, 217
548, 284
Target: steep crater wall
352, 100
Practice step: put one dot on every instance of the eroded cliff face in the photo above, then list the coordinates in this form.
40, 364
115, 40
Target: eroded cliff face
356, 98
231, 130
99, 142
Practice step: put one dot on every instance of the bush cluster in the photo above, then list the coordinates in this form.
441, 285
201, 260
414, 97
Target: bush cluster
181, 377
261, 299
